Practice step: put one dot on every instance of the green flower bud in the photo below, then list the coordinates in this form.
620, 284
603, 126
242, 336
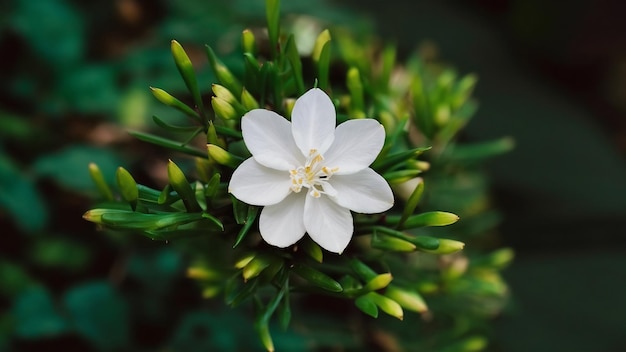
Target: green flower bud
248, 101
223, 109
248, 41
446, 246
128, 186
408, 299
223, 157
98, 179
379, 282
255, 267
388, 305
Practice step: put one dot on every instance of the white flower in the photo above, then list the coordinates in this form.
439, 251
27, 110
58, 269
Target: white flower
309, 175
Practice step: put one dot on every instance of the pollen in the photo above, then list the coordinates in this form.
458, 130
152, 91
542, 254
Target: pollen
313, 175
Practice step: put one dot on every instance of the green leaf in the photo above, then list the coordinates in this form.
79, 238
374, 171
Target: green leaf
167, 143
139, 221
69, 166
367, 305
272, 14
99, 314
291, 51
477, 152
36, 316
411, 204
166, 126
386, 162
20, 199
355, 87
247, 225
323, 67
317, 278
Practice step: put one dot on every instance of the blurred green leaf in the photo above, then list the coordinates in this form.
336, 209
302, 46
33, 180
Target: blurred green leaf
13, 279
59, 253
69, 167
20, 197
99, 314
53, 28
36, 315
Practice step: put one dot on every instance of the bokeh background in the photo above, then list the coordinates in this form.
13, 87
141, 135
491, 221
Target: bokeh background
74, 79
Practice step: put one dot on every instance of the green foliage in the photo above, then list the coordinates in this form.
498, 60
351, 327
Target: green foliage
428, 109
388, 267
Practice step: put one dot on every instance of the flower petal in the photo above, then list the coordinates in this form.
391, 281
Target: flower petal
363, 192
357, 144
282, 224
313, 121
268, 137
329, 224
256, 184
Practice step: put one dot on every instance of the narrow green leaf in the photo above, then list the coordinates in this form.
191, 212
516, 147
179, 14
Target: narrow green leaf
363, 271
480, 151
291, 51
227, 131
241, 293
173, 128
140, 221
411, 204
247, 225
212, 186
272, 14
355, 87
386, 162
323, 67
179, 183
317, 278
167, 143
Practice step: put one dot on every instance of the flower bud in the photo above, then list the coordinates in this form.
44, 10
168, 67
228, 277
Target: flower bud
223, 74
248, 101
186, 71
128, 186
223, 109
255, 267
179, 183
446, 247
167, 99
379, 282
248, 41
432, 218
223, 157
98, 179
408, 299
392, 244
388, 305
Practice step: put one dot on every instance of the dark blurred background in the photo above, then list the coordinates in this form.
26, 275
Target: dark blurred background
552, 76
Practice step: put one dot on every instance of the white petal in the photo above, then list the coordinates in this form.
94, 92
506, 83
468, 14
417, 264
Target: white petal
313, 121
329, 224
256, 184
357, 144
282, 224
268, 137
364, 192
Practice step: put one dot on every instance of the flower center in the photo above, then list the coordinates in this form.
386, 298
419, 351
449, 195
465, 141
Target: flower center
314, 175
